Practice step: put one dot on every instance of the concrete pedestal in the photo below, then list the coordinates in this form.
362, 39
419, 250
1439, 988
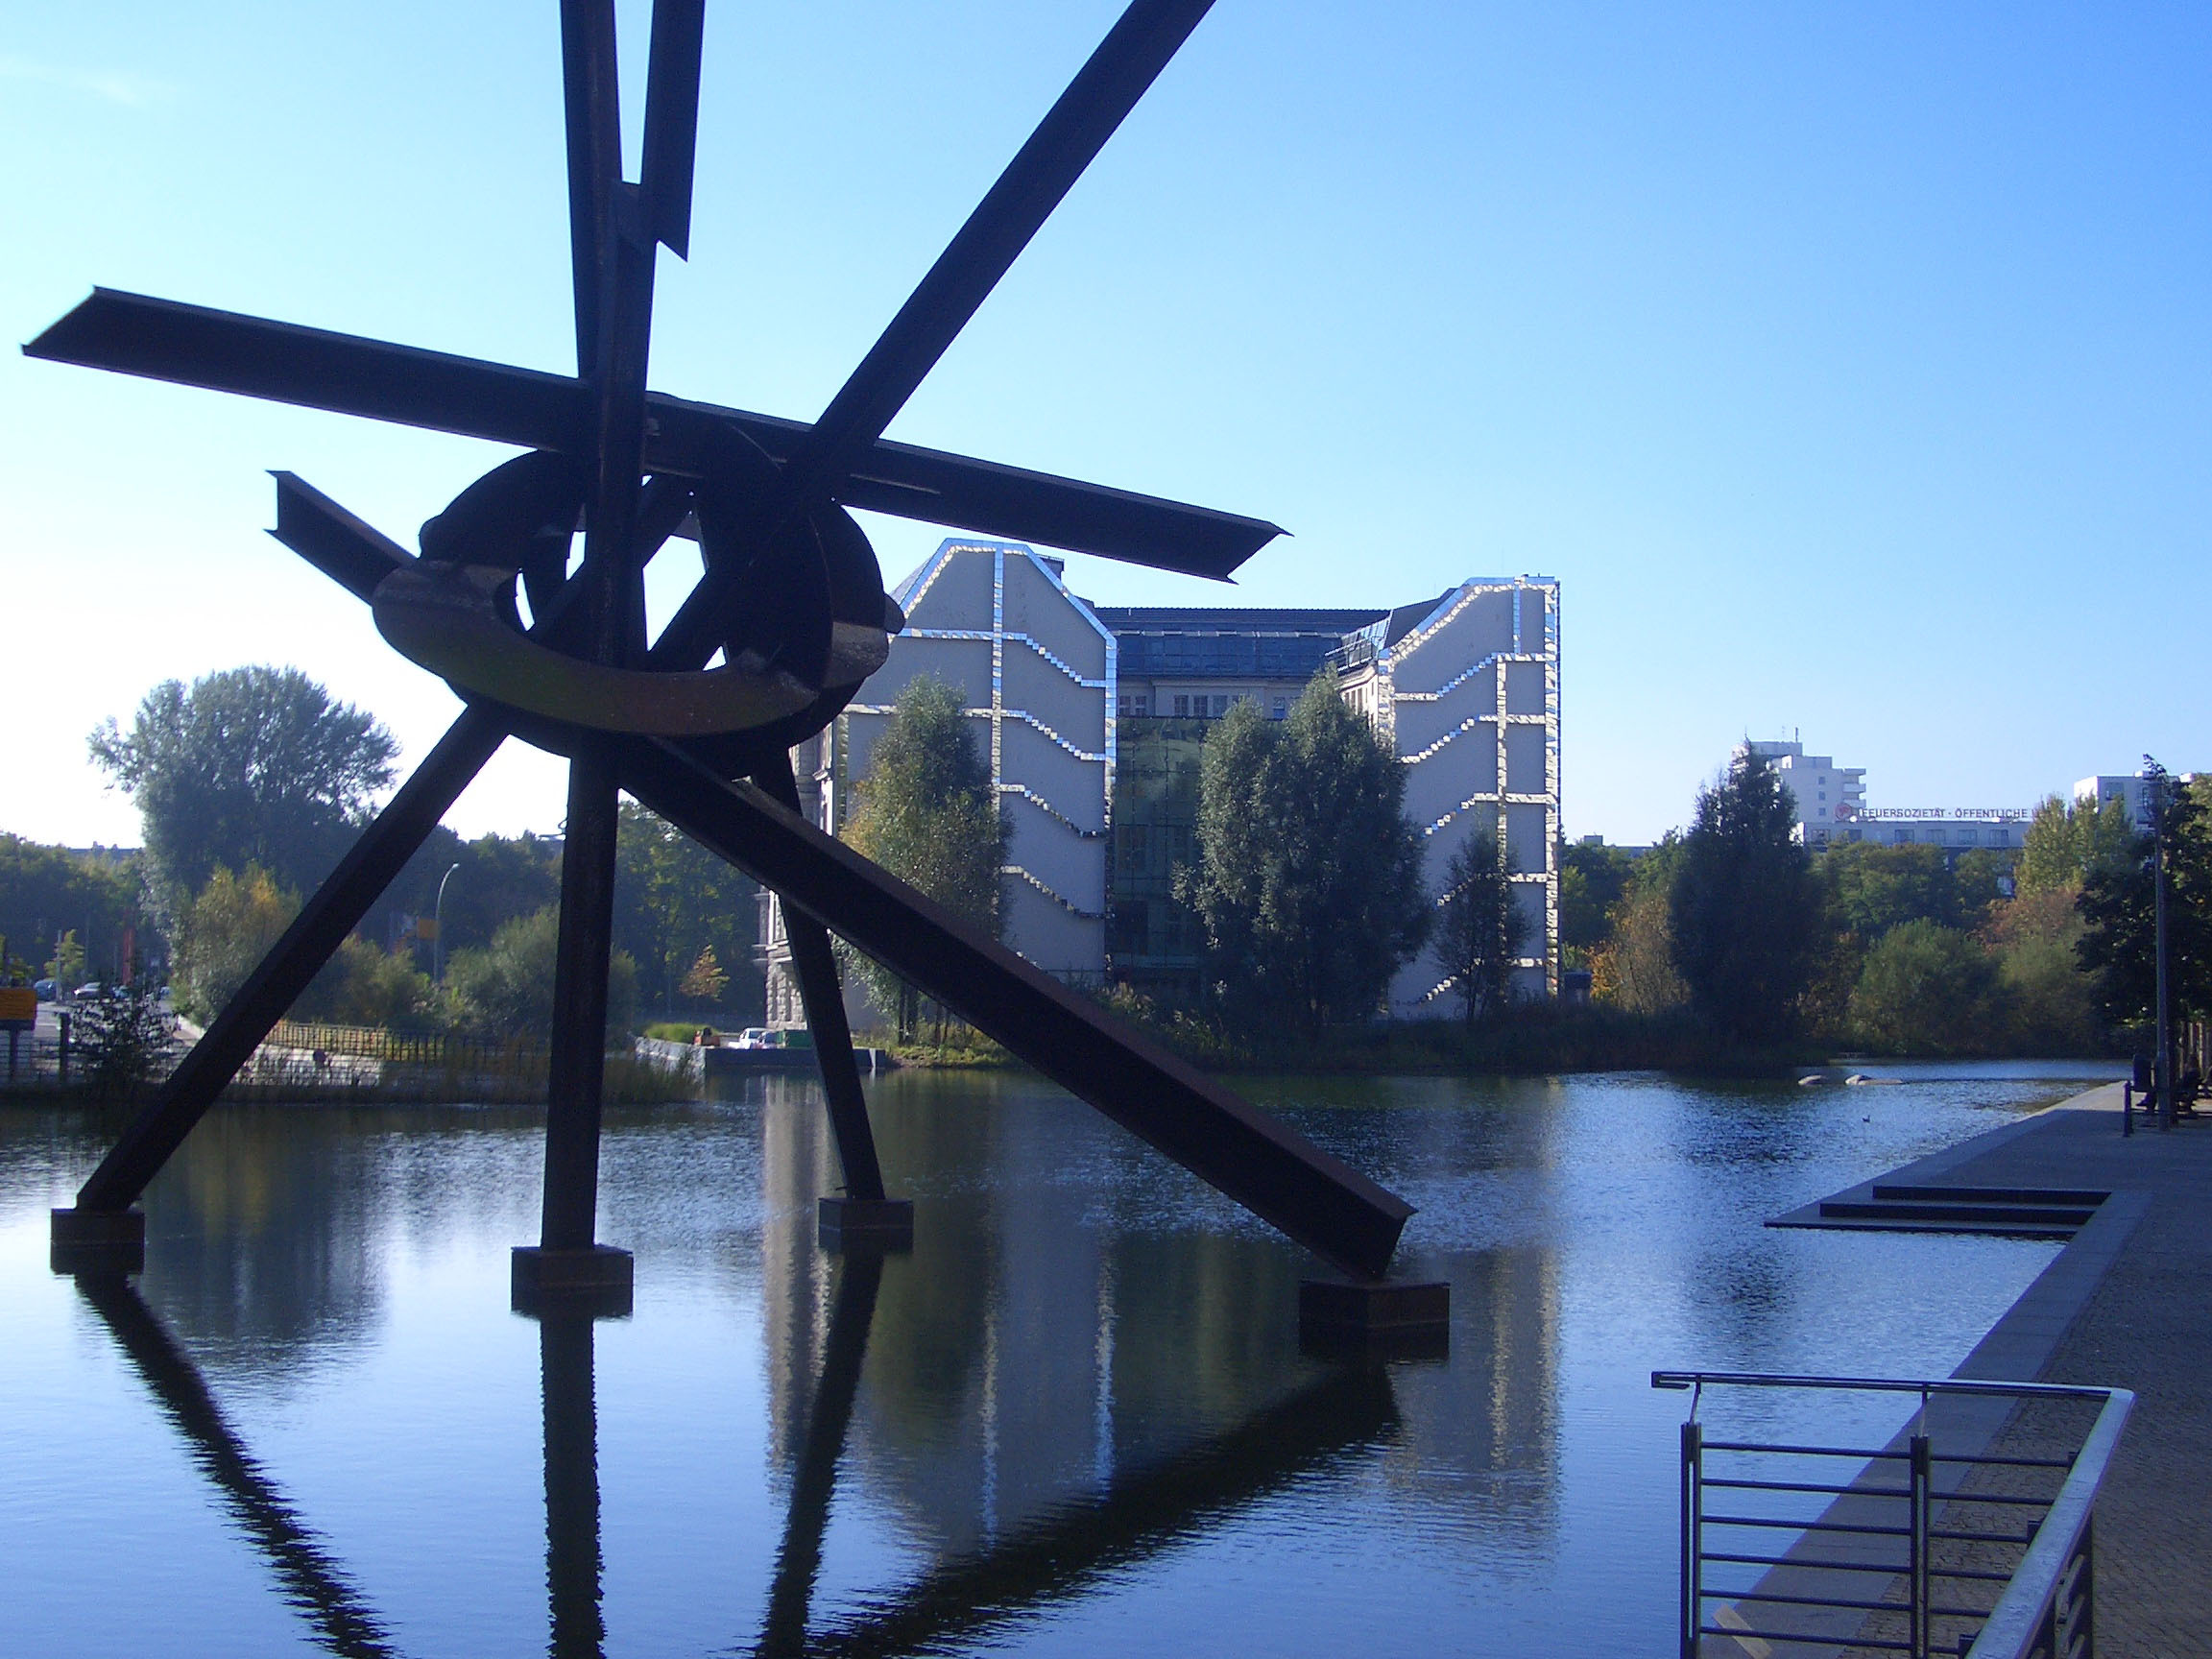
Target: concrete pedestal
1392, 1317
865, 1224
98, 1242
597, 1280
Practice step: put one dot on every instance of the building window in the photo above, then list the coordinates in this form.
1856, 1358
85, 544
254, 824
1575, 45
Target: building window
1221, 706
1134, 705
1281, 708
1182, 705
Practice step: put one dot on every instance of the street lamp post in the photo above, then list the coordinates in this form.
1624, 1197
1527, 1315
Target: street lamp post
2154, 791
438, 928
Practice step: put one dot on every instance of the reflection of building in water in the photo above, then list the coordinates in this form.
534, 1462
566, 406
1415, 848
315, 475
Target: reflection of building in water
1038, 1347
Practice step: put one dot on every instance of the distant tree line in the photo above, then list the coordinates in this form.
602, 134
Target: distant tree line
1897, 949
249, 786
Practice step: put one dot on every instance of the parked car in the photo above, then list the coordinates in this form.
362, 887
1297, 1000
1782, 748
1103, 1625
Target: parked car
757, 1037
44, 990
89, 992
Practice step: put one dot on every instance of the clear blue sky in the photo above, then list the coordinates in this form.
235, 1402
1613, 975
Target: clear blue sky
1848, 365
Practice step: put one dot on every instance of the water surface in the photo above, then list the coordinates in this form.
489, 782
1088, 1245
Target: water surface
1079, 1422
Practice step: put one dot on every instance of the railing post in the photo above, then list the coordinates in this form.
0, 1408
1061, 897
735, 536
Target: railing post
1923, 1471
1693, 1535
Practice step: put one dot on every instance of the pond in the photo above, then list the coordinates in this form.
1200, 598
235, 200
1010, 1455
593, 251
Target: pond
1074, 1420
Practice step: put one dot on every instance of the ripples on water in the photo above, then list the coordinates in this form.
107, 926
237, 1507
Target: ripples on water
1082, 1425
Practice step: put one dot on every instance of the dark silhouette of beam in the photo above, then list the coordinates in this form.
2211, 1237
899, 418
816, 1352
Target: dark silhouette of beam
313, 1581
1140, 1513
799, 1558
823, 993
577, 1625
318, 368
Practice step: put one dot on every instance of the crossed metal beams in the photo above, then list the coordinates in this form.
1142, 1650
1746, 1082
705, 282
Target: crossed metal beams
642, 449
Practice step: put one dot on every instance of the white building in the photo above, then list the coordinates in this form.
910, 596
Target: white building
1097, 767
2133, 791
1826, 794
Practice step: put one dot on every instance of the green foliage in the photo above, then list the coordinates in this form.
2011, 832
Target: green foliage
124, 1040
2050, 1002
928, 812
675, 902
1927, 989
251, 766
2117, 945
505, 988
48, 891
1870, 889
1481, 926
1634, 970
1593, 880
2070, 843
366, 985
223, 932
1309, 882
704, 981
501, 876
66, 966
1745, 905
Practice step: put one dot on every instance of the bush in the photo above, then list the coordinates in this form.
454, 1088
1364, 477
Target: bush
1928, 989
124, 1041
506, 988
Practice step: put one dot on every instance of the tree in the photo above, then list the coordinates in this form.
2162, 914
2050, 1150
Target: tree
223, 933
1745, 907
251, 766
1481, 926
1634, 969
675, 901
1870, 889
1928, 989
1593, 878
1308, 880
929, 812
367, 985
2118, 941
705, 982
46, 892
2070, 842
2036, 939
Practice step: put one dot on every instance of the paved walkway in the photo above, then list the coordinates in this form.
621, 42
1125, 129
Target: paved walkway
2127, 1304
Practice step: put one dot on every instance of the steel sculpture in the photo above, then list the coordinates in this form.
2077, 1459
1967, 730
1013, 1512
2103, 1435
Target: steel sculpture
787, 620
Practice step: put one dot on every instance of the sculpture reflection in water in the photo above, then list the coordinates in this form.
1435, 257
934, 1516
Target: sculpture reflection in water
1050, 1559
312, 1582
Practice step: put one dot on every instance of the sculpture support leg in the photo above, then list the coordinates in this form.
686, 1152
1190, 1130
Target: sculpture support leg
334, 911
824, 994
579, 1060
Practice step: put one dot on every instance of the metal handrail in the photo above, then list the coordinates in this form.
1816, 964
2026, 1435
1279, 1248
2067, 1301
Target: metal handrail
2047, 1602
2029, 1614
